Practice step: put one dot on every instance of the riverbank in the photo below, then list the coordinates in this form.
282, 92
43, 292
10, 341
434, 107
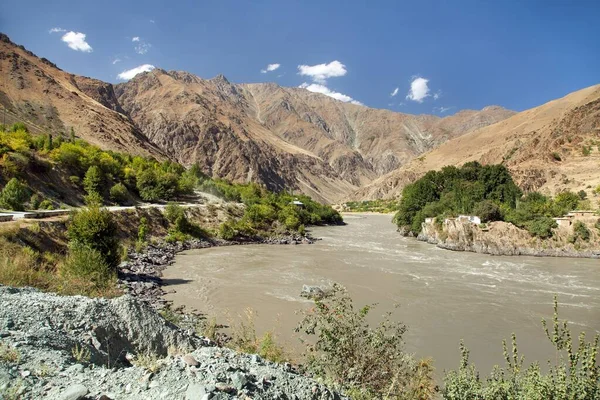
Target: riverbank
505, 239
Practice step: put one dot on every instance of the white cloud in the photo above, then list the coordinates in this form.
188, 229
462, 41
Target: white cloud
321, 72
54, 30
418, 90
76, 41
135, 39
141, 47
395, 92
116, 60
317, 88
270, 67
151, 21
437, 95
442, 110
130, 73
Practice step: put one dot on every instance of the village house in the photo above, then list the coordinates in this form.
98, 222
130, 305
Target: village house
470, 218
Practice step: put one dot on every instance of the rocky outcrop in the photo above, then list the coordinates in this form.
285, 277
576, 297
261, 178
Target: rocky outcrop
59, 347
504, 239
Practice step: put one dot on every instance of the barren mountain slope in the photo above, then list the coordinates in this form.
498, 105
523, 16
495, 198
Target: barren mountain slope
549, 148
35, 91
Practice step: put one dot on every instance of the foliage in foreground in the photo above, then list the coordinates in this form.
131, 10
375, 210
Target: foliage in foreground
574, 374
367, 362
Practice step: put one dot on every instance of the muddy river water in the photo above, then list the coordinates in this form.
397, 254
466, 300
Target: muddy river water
444, 296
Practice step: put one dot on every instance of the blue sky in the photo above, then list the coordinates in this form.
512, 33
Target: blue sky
453, 54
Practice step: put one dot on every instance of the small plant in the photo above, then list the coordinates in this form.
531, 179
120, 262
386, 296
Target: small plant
81, 354
227, 230
580, 231
170, 315
35, 201
148, 361
143, 230
75, 180
368, 361
586, 150
574, 374
46, 205
9, 354
556, 156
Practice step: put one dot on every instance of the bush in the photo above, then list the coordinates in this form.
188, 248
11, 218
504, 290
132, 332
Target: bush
143, 230
227, 230
84, 262
119, 193
14, 195
368, 362
582, 194
46, 205
94, 227
580, 231
542, 227
572, 374
35, 201
75, 180
488, 211
556, 156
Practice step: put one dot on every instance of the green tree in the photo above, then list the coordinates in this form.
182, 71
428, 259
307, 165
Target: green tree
14, 195
92, 182
119, 193
488, 211
95, 228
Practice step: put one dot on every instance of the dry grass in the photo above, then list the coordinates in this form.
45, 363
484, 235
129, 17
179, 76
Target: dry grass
9, 354
148, 361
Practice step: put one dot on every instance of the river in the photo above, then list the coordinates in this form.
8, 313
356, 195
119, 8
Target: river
444, 296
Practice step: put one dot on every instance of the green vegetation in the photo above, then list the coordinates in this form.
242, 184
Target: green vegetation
486, 191
573, 373
367, 362
107, 175
556, 156
379, 206
14, 195
454, 191
181, 228
268, 212
580, 232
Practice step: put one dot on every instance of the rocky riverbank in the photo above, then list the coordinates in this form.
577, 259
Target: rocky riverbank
140, 276
74, 347
505, 239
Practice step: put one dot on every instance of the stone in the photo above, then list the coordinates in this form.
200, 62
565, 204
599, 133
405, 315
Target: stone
312, 292
25, 374
190, 360
195, 391
239, 380
74, 369
74, 392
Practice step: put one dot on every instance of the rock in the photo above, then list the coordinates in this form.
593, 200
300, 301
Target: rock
313, 292
74, 369
25, 374
239, 380
74, 392
196, 391
190, 360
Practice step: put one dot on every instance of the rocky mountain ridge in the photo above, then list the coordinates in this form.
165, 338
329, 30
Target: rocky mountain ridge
285, 138
549, 148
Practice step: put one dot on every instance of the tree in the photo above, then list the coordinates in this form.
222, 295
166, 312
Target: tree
488, 211
14, 195
94, 227
92, 181
119, 193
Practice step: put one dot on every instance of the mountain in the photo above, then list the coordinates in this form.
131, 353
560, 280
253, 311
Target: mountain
549, 148
35, 91
285, 138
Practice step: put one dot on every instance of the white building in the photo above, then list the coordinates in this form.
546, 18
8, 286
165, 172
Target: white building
470, 218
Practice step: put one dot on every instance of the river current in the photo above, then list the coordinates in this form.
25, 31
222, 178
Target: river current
444, 296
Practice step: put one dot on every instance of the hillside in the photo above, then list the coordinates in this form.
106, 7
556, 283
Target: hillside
549, 148
285, 138
37, 92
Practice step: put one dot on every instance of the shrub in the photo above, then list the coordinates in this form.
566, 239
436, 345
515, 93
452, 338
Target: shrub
580, 231
227, 230
92, 182
14, 195
94, 227
75, 180
542, 227
556, 156
586, 150
119, 193
46, 205
488, 211
84, 262
572, 374
582, 194
368, 361
143, 230
35, 201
